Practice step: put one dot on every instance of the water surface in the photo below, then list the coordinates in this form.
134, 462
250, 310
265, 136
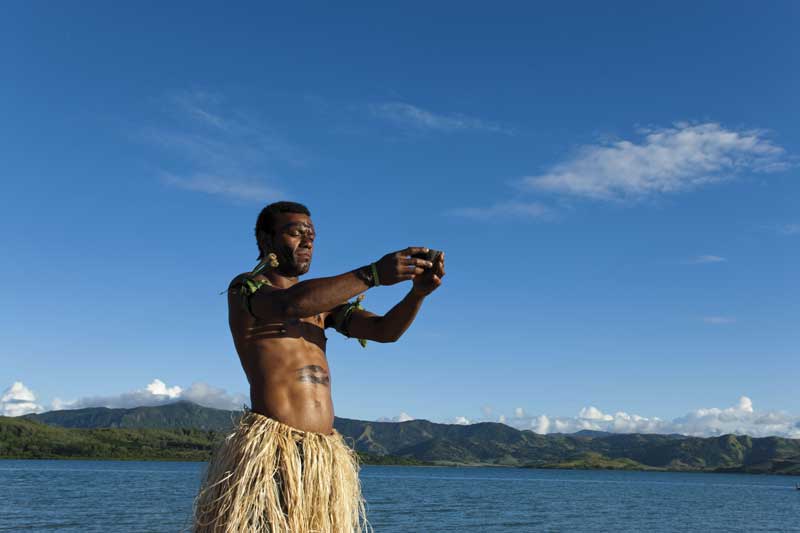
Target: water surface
137, 497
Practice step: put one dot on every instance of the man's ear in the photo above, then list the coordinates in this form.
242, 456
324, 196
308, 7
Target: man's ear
265, 240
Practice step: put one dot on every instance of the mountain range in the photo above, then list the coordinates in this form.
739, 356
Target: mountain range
183, 430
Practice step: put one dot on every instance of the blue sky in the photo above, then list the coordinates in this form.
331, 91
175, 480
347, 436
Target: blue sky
615, 187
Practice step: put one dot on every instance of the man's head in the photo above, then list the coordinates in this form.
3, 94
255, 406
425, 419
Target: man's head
285, 229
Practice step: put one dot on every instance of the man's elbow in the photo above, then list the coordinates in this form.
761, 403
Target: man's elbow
388, 338
384, 333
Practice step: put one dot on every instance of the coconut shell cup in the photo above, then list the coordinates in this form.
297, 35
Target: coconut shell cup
432, 255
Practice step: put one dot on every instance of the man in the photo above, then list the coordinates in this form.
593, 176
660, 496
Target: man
285, 468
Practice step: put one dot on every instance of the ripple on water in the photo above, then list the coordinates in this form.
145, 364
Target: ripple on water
123, 496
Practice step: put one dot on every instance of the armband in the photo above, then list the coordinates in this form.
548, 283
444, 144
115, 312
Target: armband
247, 288
341, 319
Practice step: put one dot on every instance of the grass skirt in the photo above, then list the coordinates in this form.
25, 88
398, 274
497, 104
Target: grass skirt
270, 477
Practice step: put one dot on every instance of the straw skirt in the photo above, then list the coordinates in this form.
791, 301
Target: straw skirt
270, 477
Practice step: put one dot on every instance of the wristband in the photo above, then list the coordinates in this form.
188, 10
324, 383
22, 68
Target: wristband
375, 277
366, 275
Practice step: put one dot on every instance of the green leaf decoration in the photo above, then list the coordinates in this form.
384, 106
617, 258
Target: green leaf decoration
260, 267
362, 342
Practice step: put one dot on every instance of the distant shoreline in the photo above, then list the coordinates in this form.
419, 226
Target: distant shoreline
406, 463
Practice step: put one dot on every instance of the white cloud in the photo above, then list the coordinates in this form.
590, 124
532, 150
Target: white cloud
790, 229
402, 417
204, 394
18, 400
540, 424
405, 114
741, 418
157, 393
519, 412
667, 160
706, 259
159, 388
239, 189
593, 413
191, 103
719, 320
462, 421
219, 153
515, 209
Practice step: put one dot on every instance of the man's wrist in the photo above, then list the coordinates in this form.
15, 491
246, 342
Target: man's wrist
367, 275
419, 295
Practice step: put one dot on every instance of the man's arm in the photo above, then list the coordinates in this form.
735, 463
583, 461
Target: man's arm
315, 296
391, 326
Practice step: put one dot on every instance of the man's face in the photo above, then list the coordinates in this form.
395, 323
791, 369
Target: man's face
293, 243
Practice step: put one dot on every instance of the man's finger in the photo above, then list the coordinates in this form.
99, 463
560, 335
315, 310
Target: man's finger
411, 269
411, 250
419, 262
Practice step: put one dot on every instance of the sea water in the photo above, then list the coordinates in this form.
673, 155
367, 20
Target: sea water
137, 497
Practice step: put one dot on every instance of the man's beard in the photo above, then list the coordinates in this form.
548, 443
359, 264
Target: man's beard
289, 266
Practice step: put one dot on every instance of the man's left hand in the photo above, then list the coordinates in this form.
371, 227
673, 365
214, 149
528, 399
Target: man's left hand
429, 281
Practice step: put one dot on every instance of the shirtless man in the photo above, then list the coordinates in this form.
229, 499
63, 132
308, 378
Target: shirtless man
281, 338
278, 325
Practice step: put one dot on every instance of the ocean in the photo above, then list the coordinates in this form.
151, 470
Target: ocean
137, 497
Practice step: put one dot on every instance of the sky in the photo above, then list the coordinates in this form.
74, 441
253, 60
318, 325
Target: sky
615, 187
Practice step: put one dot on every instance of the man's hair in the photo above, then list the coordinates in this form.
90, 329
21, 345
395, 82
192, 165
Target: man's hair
266, 219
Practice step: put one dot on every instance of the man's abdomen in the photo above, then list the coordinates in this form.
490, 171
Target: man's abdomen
292, 386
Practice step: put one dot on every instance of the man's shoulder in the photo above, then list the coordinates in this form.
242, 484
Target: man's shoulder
248, 281
242, 290
239, 279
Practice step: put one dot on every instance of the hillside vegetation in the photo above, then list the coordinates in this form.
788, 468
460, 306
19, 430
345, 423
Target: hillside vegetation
185, 431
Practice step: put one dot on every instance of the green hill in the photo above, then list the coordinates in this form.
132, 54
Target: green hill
29, 439
175, 415
183, 430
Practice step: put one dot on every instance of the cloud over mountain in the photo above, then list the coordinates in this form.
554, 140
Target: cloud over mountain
741, 418
18, 400
402, 417
157, 393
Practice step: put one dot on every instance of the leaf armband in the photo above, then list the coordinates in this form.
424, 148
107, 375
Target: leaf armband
341, 318
247, 287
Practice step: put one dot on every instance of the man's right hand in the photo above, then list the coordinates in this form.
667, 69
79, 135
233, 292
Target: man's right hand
399, 266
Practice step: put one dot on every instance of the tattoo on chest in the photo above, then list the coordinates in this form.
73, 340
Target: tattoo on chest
313, 374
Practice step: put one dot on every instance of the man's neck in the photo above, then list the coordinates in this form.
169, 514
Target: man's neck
279, 280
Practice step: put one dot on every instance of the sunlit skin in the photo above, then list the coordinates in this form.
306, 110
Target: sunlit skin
282, 351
